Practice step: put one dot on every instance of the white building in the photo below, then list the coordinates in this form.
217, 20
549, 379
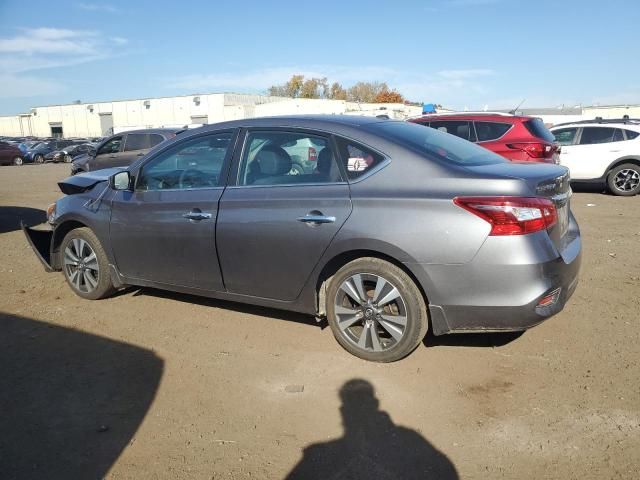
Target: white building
103, 118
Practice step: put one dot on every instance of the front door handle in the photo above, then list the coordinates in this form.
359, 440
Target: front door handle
197, 215
316, 219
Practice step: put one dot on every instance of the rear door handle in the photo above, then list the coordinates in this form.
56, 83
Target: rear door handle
311, 218
195, 215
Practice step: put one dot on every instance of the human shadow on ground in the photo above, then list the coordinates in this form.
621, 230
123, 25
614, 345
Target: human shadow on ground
10, 217
70, 401
372, 447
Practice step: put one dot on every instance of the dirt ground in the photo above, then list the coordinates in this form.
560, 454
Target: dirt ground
150, 384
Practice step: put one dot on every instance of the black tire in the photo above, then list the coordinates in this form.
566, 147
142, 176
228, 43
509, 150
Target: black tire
103, 285
67, 159
624, 180
18, 161
412, 308
38, 159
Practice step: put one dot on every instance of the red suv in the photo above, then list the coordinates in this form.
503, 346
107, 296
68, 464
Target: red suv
516, 137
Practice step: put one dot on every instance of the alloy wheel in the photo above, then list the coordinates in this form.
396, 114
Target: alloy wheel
81, 265
627, 180
371, 312
17, 161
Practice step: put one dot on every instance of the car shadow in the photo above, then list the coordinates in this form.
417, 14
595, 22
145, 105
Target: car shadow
70, 401
480, 339
233, 306
10, 217
589, 188
372, 446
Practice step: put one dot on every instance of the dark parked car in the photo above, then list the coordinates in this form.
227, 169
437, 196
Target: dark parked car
69, 153
398, 228
10, 154
37, 152
122, 149
518, 138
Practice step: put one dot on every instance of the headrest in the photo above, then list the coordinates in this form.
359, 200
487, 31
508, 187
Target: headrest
273, 160
325, 157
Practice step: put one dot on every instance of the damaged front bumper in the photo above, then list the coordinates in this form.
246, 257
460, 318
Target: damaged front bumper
41, 243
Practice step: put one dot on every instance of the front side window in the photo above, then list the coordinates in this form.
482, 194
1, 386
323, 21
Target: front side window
565, 136
195, 163
136, 141
459, 128
488, 131
593, 135
282, 158
112, 146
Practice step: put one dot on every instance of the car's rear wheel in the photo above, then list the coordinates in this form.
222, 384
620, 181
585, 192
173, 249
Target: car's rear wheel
625, 180
18, 161
38, 159
296, 169
85, 265
375, 310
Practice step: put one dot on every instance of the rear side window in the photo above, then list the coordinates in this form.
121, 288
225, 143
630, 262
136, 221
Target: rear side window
358, 159
155, 139
593, 135
618, 136
488, 131
136, 141
631, 134
432, 143
459, 128
536, 127
565, 136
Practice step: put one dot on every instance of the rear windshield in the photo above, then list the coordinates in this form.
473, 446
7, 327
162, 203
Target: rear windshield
435, 143
537, 129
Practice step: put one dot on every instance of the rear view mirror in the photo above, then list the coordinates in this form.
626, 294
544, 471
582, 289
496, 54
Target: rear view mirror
121, 181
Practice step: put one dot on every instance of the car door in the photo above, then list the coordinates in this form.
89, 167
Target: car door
164, 230
273, 226
108, 154
567, 139
592, 152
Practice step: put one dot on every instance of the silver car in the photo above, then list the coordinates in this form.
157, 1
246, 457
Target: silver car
398, 229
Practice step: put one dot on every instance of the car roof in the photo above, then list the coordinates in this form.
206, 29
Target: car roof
299, 121
481, 116
150, 130
626, 125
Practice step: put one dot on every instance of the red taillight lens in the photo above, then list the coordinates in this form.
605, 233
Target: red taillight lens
534, 150
313, 154
512, 215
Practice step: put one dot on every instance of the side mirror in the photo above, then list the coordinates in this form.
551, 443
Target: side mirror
92, 152
121, 181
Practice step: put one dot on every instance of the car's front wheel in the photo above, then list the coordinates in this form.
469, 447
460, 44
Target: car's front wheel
85, 265
375, 310
38, 159
67, 159
625, 180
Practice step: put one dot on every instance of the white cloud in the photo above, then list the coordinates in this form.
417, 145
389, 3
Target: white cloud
455, 86
465, 74
98, 7
21, 86
46, 48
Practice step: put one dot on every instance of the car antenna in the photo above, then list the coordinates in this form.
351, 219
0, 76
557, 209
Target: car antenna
513, 112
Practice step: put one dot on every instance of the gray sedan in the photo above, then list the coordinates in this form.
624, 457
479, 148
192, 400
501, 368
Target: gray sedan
397, 229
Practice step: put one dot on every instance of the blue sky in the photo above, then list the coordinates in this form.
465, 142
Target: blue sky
461, 53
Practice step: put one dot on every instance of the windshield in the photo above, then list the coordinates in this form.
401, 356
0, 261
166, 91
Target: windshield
434, 143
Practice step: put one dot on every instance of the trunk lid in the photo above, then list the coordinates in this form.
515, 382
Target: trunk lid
543, 180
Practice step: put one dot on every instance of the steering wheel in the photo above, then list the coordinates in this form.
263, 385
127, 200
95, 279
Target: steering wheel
190, 178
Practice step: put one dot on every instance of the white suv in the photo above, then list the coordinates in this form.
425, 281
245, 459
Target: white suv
602, 151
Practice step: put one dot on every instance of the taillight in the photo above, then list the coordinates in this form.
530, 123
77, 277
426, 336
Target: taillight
512, 215
534, 150
313, 154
